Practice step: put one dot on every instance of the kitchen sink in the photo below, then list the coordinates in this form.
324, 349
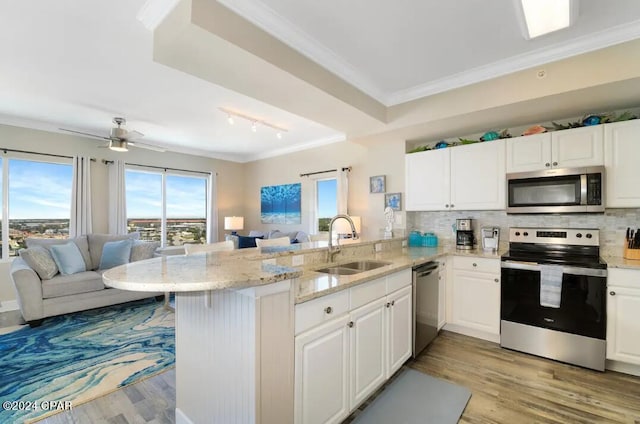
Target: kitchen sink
353, 267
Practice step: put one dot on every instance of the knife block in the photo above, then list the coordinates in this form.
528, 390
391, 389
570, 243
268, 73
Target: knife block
631, 253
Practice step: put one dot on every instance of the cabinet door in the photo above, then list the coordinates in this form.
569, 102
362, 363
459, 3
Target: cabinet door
623, 324
400, 331
476, 301
442, 298
529, 153
478, 176
621, 153
367, 351
322, 373
427, 180
578, 147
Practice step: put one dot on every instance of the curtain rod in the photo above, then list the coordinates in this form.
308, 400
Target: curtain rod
109, 162
347, 168
5, 150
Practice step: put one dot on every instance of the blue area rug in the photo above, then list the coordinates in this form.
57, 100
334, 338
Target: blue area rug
416, 398
78, 357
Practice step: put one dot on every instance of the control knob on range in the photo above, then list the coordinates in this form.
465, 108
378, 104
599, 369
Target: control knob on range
589, 235
525, 234
579, 235
517, 233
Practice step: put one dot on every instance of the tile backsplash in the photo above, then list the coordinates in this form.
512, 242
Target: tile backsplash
612, 224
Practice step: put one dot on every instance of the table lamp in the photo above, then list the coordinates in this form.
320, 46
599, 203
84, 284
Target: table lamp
341, 226
234, 223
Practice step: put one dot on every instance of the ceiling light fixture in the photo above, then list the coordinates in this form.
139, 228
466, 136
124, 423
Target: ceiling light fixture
254, 122
118, 145
540, 17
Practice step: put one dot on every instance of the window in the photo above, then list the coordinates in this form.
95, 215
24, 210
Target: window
38, 195
167, 207
326, 202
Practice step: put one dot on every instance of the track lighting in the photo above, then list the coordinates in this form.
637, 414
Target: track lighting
254, 122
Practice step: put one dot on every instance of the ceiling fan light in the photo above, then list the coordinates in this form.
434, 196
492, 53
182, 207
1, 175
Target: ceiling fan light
230, 119
279, 135
118, 146
254, 127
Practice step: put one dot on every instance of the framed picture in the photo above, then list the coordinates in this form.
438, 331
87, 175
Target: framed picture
377, 184
280, 204
393, 200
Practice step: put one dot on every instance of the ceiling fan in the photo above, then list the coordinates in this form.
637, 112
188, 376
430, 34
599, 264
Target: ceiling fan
119, 138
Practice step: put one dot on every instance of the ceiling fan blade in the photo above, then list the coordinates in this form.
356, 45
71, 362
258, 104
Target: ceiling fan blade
84, 133
147, 146
133, 135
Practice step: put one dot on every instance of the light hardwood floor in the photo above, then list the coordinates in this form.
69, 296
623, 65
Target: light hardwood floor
507, 387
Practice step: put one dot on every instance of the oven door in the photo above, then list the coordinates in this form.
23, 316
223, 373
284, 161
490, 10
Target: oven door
582, 308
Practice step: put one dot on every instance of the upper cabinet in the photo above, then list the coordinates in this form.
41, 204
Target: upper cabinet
622, 150
470, 177
560, 149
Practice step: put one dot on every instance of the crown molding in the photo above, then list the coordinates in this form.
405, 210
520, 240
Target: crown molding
296, 148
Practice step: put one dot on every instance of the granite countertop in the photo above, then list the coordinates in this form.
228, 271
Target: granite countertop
620, 262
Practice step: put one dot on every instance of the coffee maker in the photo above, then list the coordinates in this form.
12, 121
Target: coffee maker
490, 238
464, 234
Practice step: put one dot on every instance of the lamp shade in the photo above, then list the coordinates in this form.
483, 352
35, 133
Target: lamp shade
234, 223
341, 226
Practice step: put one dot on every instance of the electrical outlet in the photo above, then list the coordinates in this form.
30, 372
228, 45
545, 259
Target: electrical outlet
297, 260
378, 247
404, 243
271, 261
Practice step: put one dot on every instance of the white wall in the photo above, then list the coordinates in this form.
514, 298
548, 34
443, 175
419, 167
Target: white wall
366, 160
230, 175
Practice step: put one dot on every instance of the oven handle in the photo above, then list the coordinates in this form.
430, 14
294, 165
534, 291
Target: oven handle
573, 270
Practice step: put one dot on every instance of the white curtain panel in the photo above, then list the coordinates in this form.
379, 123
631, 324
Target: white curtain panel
212, 209
117, 198
81, 197
343, 191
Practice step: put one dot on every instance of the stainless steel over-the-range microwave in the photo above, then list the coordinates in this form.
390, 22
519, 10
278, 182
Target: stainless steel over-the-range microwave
569, 190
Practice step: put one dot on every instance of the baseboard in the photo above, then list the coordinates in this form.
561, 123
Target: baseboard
8, 306
623, 367
181, 417
472, 332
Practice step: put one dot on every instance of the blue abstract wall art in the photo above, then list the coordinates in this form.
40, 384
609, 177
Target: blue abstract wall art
280, 204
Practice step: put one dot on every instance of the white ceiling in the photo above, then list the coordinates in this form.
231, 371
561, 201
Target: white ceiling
77, 64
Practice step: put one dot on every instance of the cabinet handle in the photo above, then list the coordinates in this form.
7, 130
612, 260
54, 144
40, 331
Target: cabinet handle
328, 309
350, 324
393, 302
547, 164
446, 206
612, 293
555, 163
388, 304
496, 280
475, 264
452, 205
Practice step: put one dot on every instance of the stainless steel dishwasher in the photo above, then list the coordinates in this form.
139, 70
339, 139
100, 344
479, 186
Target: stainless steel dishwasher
425, 305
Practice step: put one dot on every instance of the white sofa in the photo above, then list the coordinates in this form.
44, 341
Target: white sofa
41, 298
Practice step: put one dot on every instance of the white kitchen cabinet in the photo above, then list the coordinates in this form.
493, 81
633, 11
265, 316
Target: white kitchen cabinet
621, 153
442, 284
470, 177
427, 180
322, 373
473, 297
623, 315
367, 350
570, 148
399, 308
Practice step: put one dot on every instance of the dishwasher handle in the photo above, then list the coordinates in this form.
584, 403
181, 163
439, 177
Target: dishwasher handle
426, 269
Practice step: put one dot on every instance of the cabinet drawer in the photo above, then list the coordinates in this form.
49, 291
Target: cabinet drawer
367, 292
469, 263
398, 280
314, 312
621, 277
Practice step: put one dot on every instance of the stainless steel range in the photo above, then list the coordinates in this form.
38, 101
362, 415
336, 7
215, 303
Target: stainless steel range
553, 301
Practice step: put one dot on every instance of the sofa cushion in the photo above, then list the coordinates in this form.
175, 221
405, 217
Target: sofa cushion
68, 258
244, 242
96, 241
115, 253
41, 261
254, 233
141, 250
65, 285
81, 242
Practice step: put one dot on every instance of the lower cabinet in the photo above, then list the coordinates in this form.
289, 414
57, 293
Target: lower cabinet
623, 315
473, 303
340, 362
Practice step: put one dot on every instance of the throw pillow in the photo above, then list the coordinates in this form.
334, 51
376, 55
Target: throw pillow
97, 241
115, 253
80, 241
68, 258
244, 242
40, 260
141, 250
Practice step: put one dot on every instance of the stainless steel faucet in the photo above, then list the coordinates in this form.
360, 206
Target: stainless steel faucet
334, 250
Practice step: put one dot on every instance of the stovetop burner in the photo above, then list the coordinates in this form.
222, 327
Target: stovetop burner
569, 247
